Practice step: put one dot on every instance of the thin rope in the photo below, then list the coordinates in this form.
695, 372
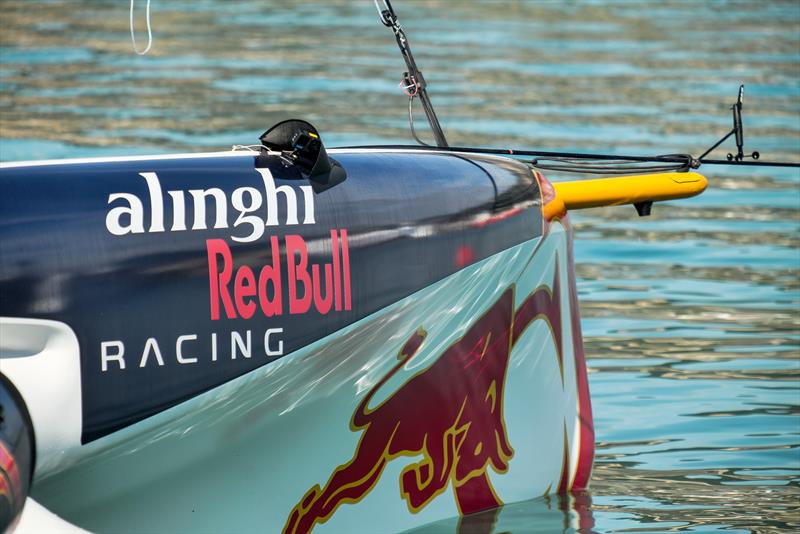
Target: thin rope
378, 7
149, 32
249, 148
411, 121
610, 166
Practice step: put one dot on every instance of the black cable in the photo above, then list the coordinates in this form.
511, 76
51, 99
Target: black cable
789, 164
716, 145
687, 161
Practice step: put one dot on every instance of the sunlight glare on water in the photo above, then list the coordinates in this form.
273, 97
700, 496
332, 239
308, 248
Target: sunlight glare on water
691, 316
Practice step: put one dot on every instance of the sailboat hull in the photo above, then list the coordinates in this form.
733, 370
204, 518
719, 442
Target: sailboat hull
242, 352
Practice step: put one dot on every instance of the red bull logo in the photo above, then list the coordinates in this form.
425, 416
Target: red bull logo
450, 414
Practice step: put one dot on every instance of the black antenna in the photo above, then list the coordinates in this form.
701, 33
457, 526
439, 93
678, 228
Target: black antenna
413, 82
738, 131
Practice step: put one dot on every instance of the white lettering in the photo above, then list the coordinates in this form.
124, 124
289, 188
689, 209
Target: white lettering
267, 348
187, 351
238, 342
106, 357
156, 201
178, 211
134, 210
308, 201
271, 192
245, 202
257, 223
220, 205
151, 345
179, 349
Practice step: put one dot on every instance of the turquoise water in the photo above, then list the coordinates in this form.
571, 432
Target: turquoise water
691, 317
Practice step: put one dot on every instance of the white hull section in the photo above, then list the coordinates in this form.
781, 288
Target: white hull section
241, 456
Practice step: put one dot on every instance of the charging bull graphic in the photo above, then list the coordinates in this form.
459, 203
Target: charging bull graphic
450, 413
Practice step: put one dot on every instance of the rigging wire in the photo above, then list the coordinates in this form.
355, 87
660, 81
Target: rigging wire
611, 166
412, 78
149, 31
680, 161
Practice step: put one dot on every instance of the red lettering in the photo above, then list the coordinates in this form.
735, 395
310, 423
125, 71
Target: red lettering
337, 282
218, 281
325, 286
271, 273
244, 288
298, 273
346, 269
323, 305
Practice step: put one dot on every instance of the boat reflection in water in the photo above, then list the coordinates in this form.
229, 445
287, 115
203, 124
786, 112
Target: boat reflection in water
570, 512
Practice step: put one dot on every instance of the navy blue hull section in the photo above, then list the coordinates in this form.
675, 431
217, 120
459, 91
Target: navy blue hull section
179, 275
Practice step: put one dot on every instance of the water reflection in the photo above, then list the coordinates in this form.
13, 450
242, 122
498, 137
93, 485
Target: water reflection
545, 515
710, 500
713, 501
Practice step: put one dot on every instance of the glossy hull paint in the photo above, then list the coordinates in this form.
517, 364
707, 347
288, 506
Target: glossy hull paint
426, 359
241, 456
177, 275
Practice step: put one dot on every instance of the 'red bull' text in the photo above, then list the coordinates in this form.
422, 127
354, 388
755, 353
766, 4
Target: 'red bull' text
239, 291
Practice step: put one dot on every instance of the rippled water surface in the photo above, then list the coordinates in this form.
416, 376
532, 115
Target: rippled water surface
691, 316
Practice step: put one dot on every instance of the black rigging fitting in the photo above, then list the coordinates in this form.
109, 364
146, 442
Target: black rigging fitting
738, 131
413, 82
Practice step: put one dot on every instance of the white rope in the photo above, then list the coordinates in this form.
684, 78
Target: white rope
149, 32
378, 7
249, 148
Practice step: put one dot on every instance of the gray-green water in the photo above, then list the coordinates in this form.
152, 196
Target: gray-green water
691, 317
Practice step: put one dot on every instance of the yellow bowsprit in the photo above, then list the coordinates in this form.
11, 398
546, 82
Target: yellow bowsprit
619, 190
